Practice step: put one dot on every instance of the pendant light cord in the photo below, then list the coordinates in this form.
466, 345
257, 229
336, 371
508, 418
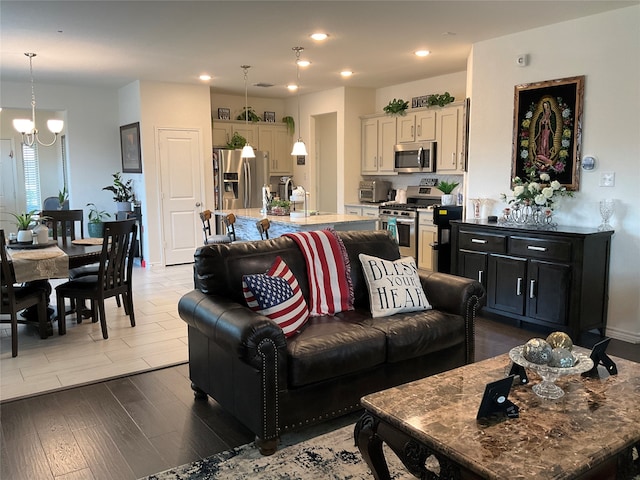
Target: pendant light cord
246, 102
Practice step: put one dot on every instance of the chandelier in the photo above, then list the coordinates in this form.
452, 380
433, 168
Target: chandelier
28, 127
299, 148
247, 150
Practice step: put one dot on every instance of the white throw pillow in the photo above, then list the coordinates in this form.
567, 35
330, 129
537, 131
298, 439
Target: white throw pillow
394, 287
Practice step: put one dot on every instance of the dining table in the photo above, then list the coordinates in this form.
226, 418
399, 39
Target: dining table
36, 264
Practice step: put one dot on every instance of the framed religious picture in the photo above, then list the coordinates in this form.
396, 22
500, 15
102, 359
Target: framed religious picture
224, 114
130, 148
547, 130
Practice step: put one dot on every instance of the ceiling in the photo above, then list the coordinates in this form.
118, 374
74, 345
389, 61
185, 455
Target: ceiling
113, 43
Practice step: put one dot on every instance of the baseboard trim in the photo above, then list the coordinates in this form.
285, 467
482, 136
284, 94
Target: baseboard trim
623, 335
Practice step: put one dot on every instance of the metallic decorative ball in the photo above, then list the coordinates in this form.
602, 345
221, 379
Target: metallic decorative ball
561, 357
537, 350
560, 340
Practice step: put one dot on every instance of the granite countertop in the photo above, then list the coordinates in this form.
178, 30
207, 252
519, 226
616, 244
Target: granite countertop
323, 219
596, 418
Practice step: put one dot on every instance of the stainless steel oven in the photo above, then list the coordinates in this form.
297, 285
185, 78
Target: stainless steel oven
406, 225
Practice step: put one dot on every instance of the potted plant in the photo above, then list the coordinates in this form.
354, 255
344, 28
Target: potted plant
279, 207
291, 124
24, 221
63, 196
237, 141
446, 188
96, 221
122, 192
248, 114
396, 107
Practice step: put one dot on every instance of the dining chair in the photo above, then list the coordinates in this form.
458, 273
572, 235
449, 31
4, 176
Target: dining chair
114, 277
52, 203
209, 239
263, 228
63, 223
229, 223
14, 298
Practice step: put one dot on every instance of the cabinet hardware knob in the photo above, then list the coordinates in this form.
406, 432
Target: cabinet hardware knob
453, 158
537, 249
532, 286
519, 287
478, 240
480, 274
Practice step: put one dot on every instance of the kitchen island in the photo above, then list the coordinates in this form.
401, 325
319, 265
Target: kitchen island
246, 222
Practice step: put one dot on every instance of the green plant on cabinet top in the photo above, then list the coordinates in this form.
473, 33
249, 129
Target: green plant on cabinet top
248, 111
396, 107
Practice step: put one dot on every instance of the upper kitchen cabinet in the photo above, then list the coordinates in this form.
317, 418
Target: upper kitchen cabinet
451, 138
378, 139
265, 137
276, 140
417, 127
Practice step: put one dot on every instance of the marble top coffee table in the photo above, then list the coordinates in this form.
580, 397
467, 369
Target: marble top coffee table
588, 433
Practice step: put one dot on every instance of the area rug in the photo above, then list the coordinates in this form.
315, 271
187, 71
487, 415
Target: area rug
332, 455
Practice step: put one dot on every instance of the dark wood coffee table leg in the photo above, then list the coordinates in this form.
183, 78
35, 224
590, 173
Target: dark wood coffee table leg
370, 446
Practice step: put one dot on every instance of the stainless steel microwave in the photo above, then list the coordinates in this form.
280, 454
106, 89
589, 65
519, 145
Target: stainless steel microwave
414, 157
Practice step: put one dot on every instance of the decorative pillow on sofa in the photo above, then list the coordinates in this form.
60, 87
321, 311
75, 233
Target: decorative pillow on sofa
394, 287
276, 295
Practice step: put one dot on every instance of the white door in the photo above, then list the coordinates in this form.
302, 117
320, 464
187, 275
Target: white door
182, 182
8, 184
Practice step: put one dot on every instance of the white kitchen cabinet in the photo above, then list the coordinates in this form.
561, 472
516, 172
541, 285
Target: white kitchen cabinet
276, 140
370, 210
221, 133
378, 139
353, 209
427, 238
451, 137
416, 127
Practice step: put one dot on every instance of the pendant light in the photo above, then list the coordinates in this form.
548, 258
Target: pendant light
247, 150
28, 127
299, 148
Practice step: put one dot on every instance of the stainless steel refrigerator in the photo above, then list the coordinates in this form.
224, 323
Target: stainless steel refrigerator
240, 180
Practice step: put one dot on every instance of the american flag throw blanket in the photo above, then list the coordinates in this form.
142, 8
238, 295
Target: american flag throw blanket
328, 270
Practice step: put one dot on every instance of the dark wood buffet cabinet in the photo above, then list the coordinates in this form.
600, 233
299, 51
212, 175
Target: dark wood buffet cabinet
556, 278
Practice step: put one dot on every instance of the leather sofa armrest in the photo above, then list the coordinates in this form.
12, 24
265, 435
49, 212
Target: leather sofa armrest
458, 295
451, 293
234, 327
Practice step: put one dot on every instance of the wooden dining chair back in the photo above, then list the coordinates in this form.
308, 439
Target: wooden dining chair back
209, 238
14, 298
263, 228
67, 224
114, 276
229, 223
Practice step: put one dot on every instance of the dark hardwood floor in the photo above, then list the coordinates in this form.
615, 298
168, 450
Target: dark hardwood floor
139, 425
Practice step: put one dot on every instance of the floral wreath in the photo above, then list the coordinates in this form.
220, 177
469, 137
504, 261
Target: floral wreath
563, 153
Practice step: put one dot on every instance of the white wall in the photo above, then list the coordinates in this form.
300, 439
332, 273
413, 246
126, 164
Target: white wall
610, 62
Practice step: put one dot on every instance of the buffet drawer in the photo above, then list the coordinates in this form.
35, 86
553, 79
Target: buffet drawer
482, 242
540, 248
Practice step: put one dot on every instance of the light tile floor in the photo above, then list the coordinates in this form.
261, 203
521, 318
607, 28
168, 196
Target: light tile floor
82, 356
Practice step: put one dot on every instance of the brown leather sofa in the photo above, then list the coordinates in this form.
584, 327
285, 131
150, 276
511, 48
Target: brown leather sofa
272, 384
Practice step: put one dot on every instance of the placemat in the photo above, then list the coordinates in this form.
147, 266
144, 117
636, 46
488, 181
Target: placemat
37, 254
87, 241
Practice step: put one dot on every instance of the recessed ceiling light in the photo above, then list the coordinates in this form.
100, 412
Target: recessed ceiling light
292, 87
319, 36
422, 53
303, 63
346, 73
205, 77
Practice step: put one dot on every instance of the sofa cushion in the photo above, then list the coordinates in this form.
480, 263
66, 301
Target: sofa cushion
394, 286
332, 345
411, 335
276, 295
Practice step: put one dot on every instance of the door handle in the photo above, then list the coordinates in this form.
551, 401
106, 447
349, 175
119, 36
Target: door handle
198, 204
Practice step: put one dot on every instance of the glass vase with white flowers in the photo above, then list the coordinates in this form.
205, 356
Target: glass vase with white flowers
533, 199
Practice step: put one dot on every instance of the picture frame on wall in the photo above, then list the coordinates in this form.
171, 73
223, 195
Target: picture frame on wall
270, 117
130, 148
224, 114
547, 129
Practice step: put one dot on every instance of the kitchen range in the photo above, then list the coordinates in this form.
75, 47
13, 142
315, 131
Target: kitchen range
423, 199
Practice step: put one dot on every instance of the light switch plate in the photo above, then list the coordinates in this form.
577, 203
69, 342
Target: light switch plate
607, 179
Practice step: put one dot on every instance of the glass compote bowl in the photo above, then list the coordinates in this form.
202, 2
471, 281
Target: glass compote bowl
606, 212
547, 388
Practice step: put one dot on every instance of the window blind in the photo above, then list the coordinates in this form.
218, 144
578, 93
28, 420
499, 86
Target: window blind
31, 178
